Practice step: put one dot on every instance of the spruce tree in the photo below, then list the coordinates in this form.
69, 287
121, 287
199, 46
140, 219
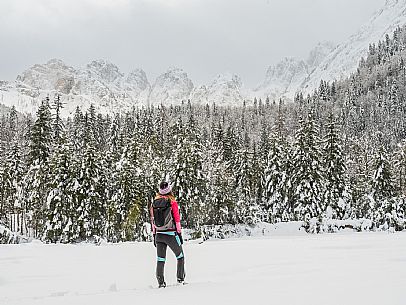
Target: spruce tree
5, 192
220, 192
336, 195
400, 167
15, 169
124, 196
277, 181
35, 183
382, 184
88, 196
307, 173
58, 125
60, 226
41, 135
189, 180
383, 190
244, 186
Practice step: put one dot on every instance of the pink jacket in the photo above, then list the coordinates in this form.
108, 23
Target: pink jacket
175, 213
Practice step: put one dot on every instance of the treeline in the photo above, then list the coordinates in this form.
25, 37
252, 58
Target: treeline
337, 154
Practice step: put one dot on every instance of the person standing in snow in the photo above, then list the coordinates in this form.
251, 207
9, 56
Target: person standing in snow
167, 231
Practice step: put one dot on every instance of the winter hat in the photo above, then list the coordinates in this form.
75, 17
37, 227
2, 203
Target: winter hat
165, 188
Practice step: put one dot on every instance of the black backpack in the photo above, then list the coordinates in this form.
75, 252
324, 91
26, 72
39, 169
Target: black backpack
163, 218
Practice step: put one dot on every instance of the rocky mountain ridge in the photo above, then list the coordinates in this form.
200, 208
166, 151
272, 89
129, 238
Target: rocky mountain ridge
285, 78
344, 59
102, 83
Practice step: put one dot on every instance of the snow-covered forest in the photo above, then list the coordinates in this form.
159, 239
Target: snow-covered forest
327, 159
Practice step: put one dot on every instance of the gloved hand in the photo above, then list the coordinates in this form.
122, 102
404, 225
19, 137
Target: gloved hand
154, 240
180, 238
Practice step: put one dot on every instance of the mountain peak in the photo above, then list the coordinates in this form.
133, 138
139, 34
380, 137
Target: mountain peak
174, 69
225, 89
55, 62
394, 2
316, 55
105, 70
137, 78
53, 75
173, 86
228, 77
100, 63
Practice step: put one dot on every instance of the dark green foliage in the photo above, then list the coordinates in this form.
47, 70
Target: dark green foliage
336, 195
308, 179
62, 216
336, 154
41, 135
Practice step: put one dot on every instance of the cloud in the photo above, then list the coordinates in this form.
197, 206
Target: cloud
205, 37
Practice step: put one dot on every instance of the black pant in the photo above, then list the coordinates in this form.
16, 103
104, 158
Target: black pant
162, 242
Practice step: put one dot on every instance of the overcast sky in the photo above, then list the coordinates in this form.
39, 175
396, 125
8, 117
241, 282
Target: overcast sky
204, 37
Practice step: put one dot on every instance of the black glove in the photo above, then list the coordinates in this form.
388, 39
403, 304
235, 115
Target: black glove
180, 238
154, 240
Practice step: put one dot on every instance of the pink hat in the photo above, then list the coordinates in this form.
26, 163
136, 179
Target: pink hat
165, 188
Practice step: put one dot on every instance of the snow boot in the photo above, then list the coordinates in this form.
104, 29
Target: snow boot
181, 281
162, 285
161, 282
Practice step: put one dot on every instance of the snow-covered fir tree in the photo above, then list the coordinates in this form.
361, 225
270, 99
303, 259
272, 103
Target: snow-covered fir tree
189, 179
308, 178
62, 213
337, 195
277, 182
219, 176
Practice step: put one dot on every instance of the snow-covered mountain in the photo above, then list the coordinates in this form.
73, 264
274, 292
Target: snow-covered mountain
344, 59
318, 54
327, 62
105, 81
281, 78
222, 90
54, 75
284, 79
99, 82
171, 87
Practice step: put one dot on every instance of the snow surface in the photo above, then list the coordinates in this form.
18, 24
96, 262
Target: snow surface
345, 268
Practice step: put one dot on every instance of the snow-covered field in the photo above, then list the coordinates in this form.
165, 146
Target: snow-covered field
345, 268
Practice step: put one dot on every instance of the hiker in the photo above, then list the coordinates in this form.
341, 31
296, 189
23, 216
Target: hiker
166, 229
